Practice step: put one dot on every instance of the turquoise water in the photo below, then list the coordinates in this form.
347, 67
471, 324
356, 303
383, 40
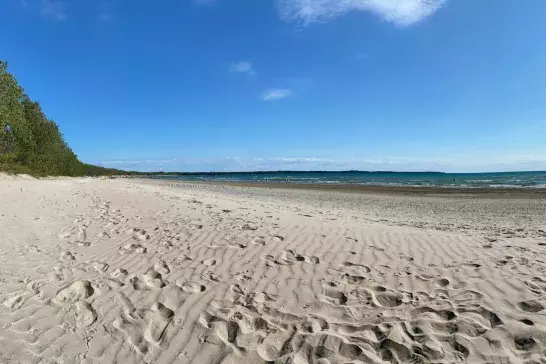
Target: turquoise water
430, 179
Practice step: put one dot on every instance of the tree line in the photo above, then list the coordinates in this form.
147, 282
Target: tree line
32, 143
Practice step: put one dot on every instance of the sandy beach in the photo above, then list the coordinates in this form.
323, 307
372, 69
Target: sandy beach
137, 271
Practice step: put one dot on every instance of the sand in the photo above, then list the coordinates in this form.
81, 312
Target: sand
128, 271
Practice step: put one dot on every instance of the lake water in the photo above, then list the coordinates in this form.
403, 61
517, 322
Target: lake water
430, 179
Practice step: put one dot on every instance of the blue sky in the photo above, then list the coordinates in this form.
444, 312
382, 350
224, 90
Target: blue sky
195, 85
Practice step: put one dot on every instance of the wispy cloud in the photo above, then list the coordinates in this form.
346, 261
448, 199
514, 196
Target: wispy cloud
362, 56
147, 161
279, 163
451, 163
128, 162
53, 9
242, 67
300, 159
105, 12
276, 94
400, 12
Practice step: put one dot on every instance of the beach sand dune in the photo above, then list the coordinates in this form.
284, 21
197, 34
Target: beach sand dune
114, 271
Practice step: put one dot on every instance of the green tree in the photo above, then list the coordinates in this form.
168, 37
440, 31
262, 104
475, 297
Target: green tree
14, 127
29, 141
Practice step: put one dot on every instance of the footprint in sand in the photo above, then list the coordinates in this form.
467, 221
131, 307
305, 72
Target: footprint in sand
531, 306
66, 257
141, 235
166, 245
407, 257
442, 314
274, 346
289, 257
184, 258
355, 268
537, 285
352, 279
77, 291
133, 248
243, 277
292, 257
64, 235
209, 262
119, 273
86, 315
209, 276
103, 235
15, 302
524, 343
158, 318
467, 296
247, 227
389, 299
527, 322
147, 328
192, 287
150, 280
100, 267
259, 240
235, 245
425, 277
162, 268
443, 282
335, 296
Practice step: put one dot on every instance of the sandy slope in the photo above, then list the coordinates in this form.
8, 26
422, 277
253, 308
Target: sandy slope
119, 272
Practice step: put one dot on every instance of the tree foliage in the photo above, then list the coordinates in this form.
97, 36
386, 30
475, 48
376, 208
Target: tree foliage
30, 142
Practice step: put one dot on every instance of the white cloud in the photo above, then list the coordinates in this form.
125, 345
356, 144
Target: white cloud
242, 67
121, 162
53, 9
470, 162
400, 12
300, 159
362, 56
105, 12
105, 17
276, 94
